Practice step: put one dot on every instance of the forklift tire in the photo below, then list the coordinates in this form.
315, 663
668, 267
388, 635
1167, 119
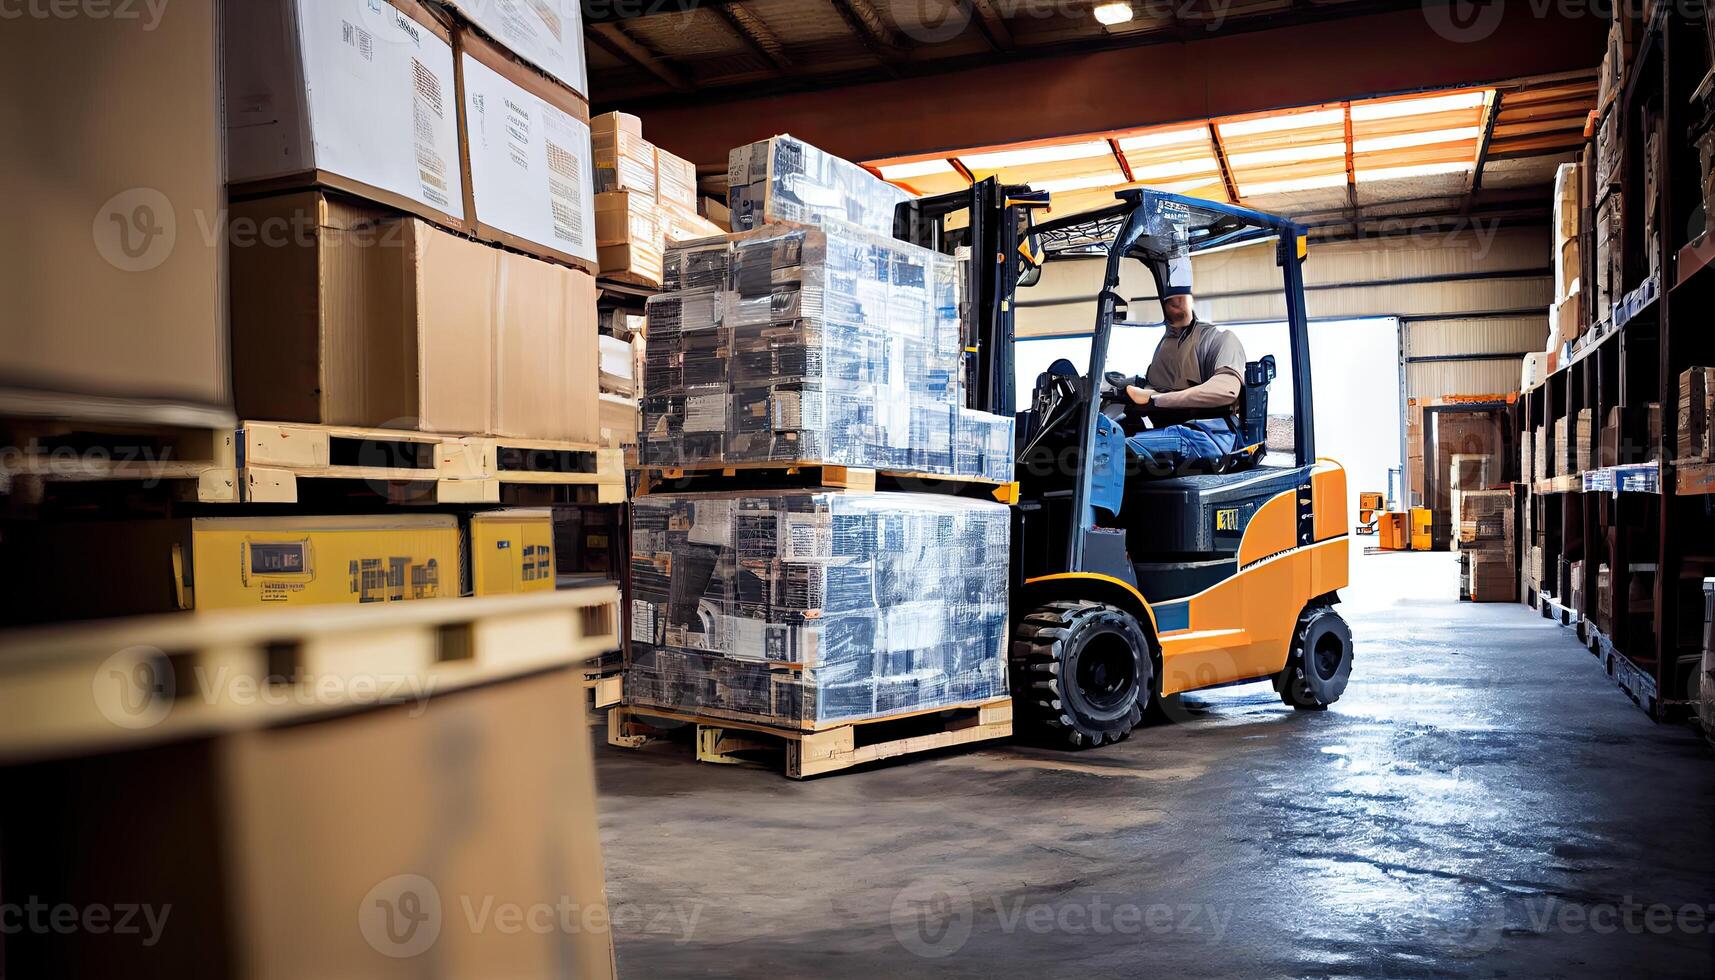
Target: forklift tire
1320, 662
1082, 674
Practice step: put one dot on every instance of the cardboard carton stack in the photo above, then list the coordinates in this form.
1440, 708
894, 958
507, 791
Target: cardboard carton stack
814, 337
646, 199
1485, 539
1696, 410
1566, 316
798, 608
369, 141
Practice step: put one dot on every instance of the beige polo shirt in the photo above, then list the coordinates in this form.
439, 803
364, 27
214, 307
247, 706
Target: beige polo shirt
1194, 356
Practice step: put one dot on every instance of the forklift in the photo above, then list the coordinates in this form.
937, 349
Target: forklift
1132, 584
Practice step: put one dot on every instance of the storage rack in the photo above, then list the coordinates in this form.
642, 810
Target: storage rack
1629, 356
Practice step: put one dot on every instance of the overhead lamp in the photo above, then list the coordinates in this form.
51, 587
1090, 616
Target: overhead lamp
1109, 14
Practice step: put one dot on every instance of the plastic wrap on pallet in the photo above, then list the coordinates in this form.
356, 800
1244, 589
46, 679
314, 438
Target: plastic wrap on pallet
803, 607
797, 344
983, 446
786, 179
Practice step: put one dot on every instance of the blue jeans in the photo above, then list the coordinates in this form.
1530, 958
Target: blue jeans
1201, 439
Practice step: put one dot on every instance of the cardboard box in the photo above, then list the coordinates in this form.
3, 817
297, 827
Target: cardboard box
302, 848
358, 95
344, 313
676, 182
1566, 193
527, 157
618, 367
545, 384
96, 106
680, 228
1567, 321
629, 238
620, 420
548, 34
511, 551
624, 160
1492, 576
1696, 408
1470, 472
58, 572
787, 180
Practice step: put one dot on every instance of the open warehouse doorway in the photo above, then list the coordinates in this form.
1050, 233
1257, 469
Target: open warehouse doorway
1353, 369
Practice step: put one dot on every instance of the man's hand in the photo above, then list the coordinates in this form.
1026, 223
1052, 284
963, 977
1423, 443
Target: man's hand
1139, 396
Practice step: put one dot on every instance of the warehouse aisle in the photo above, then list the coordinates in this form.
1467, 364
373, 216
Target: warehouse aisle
1484, 801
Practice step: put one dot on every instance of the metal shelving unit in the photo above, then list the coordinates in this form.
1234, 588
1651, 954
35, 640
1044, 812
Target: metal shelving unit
1659, 543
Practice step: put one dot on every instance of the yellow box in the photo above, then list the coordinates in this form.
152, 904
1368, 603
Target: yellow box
249, 561
1421, 520
512, 551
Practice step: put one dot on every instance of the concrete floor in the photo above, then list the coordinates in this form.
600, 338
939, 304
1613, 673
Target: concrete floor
1483, 802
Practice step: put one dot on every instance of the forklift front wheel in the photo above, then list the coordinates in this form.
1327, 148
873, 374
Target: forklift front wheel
1320, 662
1082, 673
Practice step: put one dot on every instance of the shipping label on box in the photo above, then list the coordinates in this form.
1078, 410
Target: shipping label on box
242, 562
355, 94
530, 183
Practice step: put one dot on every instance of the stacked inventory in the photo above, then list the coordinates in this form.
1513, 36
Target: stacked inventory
1566, 316
827, 345
1490, 573
822, 345
1607, 207
1696, 412
646, 198
804, 608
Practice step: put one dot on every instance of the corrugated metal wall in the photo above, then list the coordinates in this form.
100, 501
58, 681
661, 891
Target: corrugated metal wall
1462, 298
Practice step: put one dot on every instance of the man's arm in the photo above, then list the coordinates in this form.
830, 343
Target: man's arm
1217, 392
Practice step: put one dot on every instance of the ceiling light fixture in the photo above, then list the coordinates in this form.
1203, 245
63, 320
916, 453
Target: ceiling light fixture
1109, 14
920, 168
1037, 154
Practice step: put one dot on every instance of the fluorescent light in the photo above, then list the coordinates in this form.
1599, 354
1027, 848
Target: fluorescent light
1288, 154
1178, 168
1166, 137
1395, 108
1275, 124
1109, 14
1425, 170
1425, 138
1285, 186
1083, 183
1036, 154
921, 168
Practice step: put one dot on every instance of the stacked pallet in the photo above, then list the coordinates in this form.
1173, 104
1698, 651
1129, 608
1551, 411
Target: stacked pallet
790, 369
646, 199
1486, 534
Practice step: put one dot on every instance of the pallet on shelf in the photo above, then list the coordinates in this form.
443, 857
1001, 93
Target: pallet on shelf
310, 661
829, 748
813, 475
51, 438
275, 456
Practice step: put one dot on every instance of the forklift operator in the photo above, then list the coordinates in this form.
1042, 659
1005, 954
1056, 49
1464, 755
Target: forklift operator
1191, 390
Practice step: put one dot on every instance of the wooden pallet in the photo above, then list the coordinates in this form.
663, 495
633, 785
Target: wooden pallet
811, 475
120, 684
447, 469
98, 443
815, 753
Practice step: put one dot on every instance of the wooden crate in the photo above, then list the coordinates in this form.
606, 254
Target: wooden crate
827, 750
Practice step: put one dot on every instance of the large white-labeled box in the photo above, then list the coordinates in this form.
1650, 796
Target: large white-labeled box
527, 141
359, 95
547, 33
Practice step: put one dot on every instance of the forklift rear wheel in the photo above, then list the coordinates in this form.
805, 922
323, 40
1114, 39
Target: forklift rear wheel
1320, 663
1082, 673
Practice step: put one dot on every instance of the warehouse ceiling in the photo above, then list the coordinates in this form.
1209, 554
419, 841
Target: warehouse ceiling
642, 50
1344, 168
